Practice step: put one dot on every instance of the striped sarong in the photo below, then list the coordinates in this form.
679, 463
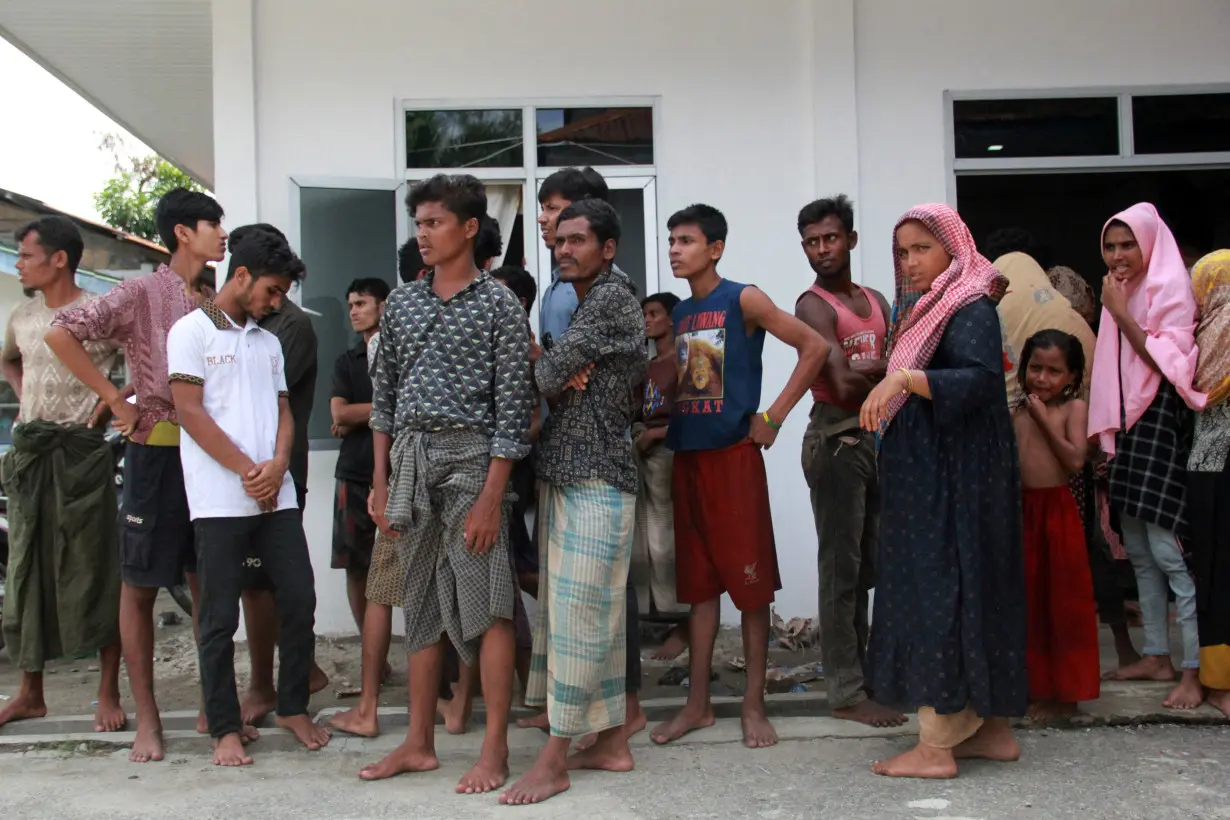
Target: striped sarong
435, 479
585, 548
653, 546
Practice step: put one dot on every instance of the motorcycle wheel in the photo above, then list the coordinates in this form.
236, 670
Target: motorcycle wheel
182, 596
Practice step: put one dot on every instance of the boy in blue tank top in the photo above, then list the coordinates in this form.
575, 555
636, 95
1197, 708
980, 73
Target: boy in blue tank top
723, 527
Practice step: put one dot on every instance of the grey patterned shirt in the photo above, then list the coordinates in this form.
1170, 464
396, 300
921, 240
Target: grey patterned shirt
456, 365
586, 436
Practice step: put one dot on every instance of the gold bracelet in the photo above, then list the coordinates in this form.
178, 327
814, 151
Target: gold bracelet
909, 382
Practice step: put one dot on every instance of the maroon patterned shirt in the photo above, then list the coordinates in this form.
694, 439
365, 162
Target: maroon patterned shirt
138, 313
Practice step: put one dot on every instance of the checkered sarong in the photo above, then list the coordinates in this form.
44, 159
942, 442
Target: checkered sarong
1148, 474
580, 639
435, 479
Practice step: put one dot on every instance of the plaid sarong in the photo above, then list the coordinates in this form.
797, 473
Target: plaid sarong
580, 639
435, 479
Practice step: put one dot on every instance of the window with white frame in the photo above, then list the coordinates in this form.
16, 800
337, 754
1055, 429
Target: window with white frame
512, 148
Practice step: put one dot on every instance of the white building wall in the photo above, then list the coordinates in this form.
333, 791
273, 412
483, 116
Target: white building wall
763, 107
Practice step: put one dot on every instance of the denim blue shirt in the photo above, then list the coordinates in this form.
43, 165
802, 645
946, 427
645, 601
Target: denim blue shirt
555, 309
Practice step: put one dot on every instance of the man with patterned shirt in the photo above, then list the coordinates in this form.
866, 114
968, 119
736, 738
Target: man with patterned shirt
156, 538
451, 407
586, 508
62, 594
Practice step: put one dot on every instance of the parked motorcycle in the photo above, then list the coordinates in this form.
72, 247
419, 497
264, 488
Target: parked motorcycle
116, 442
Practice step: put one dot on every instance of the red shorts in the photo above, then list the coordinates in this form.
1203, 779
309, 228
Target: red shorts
723, 527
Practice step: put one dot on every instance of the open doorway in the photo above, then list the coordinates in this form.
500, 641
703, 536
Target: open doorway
1065, 211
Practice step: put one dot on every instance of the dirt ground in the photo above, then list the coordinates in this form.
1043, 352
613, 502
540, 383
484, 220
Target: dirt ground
71, 685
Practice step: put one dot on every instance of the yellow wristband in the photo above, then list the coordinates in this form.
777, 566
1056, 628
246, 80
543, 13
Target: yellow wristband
772, 424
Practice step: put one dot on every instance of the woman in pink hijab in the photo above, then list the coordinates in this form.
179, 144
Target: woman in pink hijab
1140, 411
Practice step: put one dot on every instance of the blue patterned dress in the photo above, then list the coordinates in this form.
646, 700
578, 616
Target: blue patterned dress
949, 621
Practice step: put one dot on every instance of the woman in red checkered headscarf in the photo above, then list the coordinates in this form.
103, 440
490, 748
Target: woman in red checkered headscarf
948, 634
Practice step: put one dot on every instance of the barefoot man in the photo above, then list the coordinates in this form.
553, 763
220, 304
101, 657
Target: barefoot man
56, 607
586, 508
156, 538
839, 459
451, 407
723, 526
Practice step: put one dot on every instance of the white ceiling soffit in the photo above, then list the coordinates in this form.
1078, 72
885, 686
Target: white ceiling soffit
147, 64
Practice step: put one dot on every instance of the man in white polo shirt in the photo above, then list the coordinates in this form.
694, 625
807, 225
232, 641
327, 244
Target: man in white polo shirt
228, 379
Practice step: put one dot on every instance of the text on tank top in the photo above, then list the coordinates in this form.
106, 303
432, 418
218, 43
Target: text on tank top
719, 370
860, 339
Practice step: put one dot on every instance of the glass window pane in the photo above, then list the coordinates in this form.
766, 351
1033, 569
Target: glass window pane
1181, 123
594, 136
464, 139
1074, 126
347, 234
630, 256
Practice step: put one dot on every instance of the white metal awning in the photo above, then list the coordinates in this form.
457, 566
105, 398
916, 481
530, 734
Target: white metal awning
147, 64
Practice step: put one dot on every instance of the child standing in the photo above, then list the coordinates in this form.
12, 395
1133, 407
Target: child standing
1061, 647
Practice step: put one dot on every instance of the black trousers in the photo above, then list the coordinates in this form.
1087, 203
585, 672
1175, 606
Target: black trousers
223, 544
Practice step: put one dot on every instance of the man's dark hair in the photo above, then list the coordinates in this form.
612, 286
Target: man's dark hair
369, 286
409, 261
1014, 240
839, 206
488, 244
519, 281
575, 184
668, 301
706, 217
236, 236
460, 194
265, 254
179, 206
55, 234
602, 217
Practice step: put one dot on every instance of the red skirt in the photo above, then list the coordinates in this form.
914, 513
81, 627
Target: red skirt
1061, 642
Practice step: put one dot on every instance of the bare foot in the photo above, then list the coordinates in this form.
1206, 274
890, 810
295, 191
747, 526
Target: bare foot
1219, 699
109, 716
1150, 667
539, 783
357, 721
921, 761
148, 747
758, 732
871, 713
488, 774
318, 680
202, 723
456, 714
607, 754
1045, 711
24, 707
229, 751
248, 734
310, 734
992, 741
1189, 694
256, 705
540, 722
405, 758
682, 723
674, 645
634, 723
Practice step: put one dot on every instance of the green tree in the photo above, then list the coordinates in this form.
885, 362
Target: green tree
128, 199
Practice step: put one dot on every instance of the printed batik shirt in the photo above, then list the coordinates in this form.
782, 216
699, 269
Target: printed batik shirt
460, 364
586, 436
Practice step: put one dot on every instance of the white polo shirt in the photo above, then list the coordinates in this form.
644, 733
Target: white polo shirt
242, 372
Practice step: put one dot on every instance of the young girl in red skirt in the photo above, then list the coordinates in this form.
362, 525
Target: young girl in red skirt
1051, 429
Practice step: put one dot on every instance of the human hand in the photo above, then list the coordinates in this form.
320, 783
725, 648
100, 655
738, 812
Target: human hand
535, 350
581, 380
761, 433
377, 504
1114, 296
651, 436
340, 430
875, 408
482, 527
873, 369
265, 479
101, 415
126, 417
1037, 409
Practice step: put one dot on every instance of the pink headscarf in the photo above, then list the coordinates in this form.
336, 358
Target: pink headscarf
1163, 304
919, 319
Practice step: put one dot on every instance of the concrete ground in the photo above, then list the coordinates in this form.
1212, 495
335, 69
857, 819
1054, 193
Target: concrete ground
820, 770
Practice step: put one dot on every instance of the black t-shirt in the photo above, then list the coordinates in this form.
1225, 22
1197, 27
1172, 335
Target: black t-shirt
294, 330
352, 383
